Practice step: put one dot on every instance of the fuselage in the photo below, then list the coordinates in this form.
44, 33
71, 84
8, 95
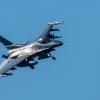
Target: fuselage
32, 49
20, 51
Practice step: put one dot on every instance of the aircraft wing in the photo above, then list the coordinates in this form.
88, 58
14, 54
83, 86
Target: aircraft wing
44, 37
8, 64
10, 45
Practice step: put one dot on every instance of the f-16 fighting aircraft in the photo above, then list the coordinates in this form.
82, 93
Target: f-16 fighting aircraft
22, 55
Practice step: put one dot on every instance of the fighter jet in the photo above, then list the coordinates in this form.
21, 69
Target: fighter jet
24, 54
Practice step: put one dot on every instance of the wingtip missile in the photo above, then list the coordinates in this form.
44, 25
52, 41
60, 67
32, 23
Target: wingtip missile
55, 23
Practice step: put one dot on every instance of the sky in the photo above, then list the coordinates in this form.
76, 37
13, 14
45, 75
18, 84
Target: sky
75, 75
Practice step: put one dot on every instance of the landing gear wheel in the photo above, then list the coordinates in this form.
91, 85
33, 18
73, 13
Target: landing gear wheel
13, 68
32, 67
53, 58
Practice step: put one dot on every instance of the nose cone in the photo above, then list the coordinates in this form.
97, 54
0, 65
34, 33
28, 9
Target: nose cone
56, 43
59, 43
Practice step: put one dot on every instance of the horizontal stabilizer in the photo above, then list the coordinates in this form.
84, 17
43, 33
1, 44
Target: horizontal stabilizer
9, 45
5, 42
5, 56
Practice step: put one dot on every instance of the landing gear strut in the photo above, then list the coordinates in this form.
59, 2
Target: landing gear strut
50, 55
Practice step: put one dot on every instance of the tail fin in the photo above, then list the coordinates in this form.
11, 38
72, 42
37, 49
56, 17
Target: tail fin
5, 42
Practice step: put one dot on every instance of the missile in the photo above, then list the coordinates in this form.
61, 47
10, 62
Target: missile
55, 30
55, 23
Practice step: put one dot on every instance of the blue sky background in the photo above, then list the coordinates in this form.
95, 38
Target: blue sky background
75, 75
